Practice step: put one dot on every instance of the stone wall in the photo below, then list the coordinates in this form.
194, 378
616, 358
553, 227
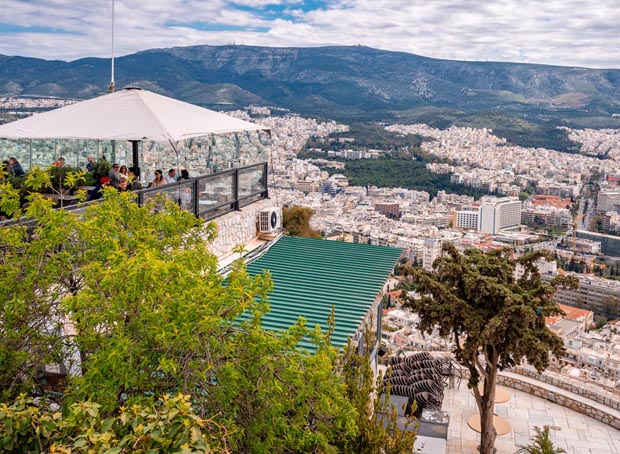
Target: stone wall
592, 392
565, 401
238, 227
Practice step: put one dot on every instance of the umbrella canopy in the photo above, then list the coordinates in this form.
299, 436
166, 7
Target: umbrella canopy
128, 114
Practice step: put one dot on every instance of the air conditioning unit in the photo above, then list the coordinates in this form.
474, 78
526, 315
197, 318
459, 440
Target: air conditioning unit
269, 220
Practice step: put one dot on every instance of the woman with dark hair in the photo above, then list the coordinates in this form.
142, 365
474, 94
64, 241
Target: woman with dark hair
184, 175
15, 167
159, 179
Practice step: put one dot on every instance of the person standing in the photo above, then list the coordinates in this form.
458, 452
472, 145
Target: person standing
90, 164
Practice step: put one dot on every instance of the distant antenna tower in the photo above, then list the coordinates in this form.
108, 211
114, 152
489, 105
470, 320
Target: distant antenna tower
112, 86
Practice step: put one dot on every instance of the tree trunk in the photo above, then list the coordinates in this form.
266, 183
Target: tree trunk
487, 409
487, 430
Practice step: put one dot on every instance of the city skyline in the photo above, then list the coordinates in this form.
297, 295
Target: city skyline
563, 33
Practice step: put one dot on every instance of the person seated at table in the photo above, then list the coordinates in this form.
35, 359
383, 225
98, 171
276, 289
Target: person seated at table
123, 185
124, 171
134, 184
171, 177
15, 167
115, 175
97, 191
159, 179
60, 162
184, 175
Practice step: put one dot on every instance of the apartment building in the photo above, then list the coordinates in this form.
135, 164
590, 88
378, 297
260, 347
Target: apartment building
499, 213
593, 292
432, 251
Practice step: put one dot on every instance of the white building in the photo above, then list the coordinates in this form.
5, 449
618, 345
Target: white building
608, 200
467, 219
499, 213
432, 250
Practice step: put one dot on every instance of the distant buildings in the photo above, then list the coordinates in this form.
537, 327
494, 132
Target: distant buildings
594, 293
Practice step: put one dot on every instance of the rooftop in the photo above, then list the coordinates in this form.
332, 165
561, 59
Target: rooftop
311, 276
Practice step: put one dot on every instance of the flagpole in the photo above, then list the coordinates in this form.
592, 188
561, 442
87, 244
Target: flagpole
111, 87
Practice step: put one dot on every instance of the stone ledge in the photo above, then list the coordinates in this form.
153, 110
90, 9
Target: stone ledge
561, 397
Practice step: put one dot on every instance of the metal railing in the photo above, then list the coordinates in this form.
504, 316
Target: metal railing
207, 196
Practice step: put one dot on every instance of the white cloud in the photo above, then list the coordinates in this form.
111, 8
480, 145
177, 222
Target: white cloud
562, 32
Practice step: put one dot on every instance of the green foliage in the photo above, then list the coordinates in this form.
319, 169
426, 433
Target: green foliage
67, 177
170, 425
541, 444
130, 297
366, 136
494, 318
296, 220
404, 173
101, 168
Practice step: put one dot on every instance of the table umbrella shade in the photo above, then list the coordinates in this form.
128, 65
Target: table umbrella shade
128, 114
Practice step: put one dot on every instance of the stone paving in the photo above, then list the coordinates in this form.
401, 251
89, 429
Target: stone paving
576, 433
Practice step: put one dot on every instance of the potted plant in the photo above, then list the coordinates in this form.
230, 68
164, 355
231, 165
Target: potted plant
541, 444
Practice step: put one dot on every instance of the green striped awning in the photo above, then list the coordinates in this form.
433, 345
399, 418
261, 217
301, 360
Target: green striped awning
311, 276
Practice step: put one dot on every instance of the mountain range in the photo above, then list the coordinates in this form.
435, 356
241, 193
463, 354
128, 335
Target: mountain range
348, 82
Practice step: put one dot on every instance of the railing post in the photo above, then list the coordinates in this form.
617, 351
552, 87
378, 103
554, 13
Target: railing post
195, 198
236, 189
265, 173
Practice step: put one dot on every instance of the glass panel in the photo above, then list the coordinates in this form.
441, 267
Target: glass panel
250, 181
250, 200
186, 195
215, 190
43, 152
169, 191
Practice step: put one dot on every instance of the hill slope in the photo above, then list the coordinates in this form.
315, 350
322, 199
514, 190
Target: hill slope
337, 82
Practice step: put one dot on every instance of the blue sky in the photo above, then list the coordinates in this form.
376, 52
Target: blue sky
559, 32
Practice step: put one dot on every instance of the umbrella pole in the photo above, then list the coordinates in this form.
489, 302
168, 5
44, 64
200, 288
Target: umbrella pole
135, 158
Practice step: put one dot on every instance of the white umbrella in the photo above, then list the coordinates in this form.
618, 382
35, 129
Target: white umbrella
129, 114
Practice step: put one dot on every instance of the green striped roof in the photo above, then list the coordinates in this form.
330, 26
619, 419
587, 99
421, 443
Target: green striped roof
311, 276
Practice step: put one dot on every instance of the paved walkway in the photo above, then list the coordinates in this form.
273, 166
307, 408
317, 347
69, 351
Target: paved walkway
576, 433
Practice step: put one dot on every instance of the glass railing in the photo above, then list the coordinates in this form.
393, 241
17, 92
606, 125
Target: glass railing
207, 196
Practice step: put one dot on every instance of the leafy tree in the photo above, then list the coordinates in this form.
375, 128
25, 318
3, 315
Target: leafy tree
129, 298
296, 221
152, 316
541, 444
611, 307
494, 318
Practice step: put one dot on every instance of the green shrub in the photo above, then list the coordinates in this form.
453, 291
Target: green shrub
169, 425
